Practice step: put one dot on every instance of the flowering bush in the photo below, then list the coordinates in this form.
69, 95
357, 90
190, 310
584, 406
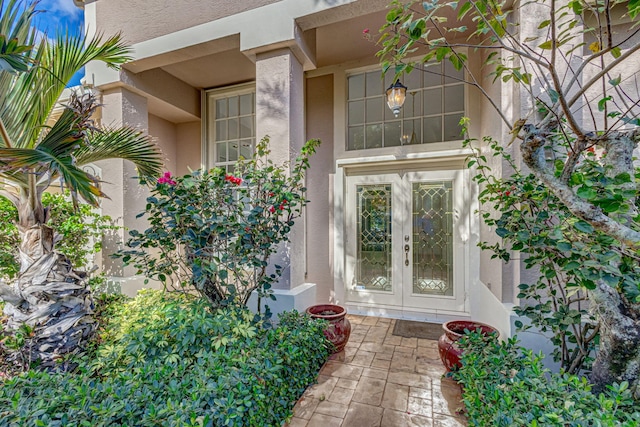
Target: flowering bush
215, 231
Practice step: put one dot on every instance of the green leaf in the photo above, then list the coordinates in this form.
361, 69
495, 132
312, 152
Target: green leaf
583, 226
546, 45
616, 81
544, 24
602, 104
633, 7
616, 52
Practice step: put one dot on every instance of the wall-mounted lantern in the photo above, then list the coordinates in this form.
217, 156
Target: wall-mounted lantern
395, 97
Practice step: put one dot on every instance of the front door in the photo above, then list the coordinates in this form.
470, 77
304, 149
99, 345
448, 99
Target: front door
404, 246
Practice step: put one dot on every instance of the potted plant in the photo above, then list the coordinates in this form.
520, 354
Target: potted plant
448, 342
339, 327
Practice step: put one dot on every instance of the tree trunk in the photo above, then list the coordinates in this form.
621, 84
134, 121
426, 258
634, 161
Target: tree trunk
49, 296
618, 357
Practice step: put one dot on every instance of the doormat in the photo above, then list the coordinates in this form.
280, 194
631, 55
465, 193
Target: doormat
411, 329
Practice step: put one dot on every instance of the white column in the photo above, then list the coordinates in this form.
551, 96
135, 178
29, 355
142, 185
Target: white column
126, 197
280, 115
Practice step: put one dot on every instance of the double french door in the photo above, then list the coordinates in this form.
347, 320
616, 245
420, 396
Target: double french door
404, 240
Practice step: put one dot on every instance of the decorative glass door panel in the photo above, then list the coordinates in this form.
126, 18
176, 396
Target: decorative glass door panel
403, 241
432, 212
374, 243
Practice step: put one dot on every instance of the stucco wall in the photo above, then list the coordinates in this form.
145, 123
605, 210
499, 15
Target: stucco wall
141, 22
164, 134
188, 147
319, 124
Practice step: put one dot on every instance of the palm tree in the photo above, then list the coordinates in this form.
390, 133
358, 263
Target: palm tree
48, 295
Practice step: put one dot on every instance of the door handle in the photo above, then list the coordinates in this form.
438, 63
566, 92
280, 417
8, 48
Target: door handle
406, 254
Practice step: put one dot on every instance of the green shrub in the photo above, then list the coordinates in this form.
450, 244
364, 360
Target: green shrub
214, 232
506, 385
80, 231
166, 359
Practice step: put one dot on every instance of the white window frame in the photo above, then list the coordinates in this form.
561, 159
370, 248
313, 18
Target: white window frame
208, 142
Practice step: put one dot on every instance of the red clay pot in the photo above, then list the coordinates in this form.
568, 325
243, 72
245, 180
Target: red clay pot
447, 343
339, 328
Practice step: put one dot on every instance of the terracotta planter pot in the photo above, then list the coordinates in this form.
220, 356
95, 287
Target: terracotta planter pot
339, 328
454, 330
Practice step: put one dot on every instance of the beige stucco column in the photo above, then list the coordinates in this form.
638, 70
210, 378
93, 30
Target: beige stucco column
280, 115
127, 197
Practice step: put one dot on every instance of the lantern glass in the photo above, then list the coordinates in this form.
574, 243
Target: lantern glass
396, 94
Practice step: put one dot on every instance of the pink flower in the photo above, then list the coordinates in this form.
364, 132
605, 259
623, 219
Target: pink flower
166, 179
272, 209
365, 31
233, 179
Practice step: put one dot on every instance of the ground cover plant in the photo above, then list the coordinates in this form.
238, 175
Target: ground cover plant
505, 385
79, 229
170, 359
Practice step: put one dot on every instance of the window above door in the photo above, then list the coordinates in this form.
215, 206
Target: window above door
434, 105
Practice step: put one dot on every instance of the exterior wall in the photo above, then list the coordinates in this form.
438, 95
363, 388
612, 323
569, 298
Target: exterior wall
319, 124
164, 133
188, 147
165, 16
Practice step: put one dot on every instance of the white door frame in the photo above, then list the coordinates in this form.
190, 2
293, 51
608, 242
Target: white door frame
442, 160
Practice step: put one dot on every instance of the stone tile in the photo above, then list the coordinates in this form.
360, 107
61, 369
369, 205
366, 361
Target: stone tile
384, 356
355, 341
427, 343
323, 389
370, 321
447, 399
296, 422
422, 393
410, 379
392, 339
345, 383
355, 319
427, 353
384, 321
321, 420
392, 418
395, 397
341, 395
359, 329
381, 364
409, 342
432, 369
342, 370
377, 348
381, 374
334, 409
418, 406
376, 334
403, 350
444, 421
369, 391
360, 415
403, 362
363, 358
305, 407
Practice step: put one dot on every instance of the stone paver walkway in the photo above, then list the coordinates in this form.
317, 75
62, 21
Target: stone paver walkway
381, 380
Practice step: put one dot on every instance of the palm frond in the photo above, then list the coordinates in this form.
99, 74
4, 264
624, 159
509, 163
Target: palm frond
42, 160
123, 143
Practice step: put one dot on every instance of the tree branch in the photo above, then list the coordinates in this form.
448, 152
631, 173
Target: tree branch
532, 148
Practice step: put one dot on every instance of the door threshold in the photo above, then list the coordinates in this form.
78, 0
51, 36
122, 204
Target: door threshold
435, 316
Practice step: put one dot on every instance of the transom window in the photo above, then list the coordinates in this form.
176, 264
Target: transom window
432, 110
230, 127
